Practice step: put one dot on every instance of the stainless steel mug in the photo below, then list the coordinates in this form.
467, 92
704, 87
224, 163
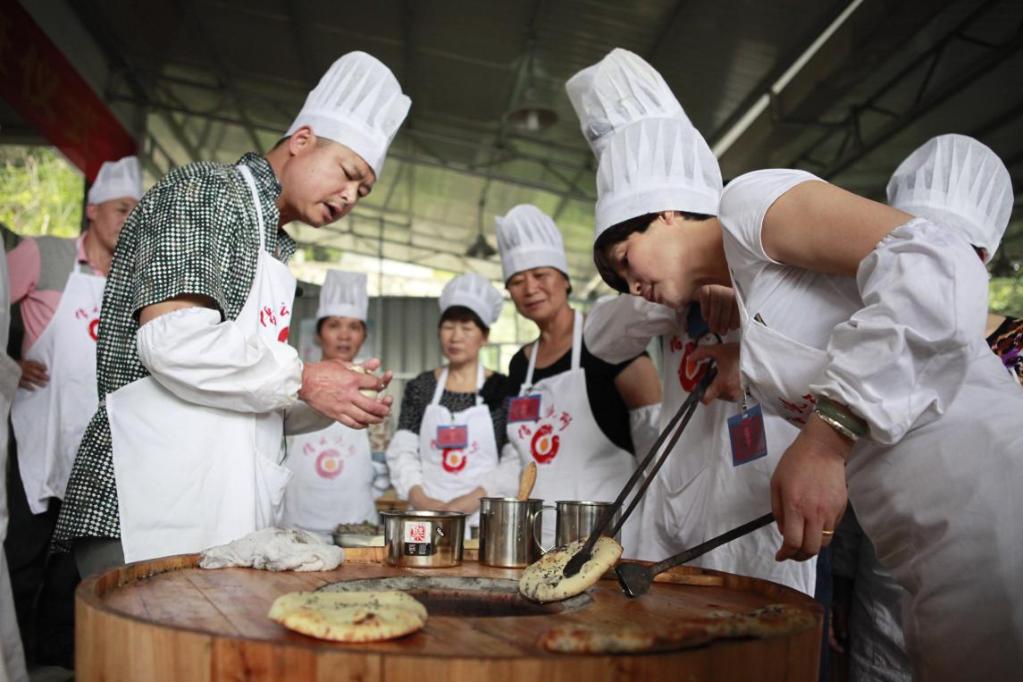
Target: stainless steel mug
510, 531
577, 519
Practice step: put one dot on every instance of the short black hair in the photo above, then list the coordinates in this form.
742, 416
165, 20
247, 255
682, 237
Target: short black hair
621, 232
319, 324
459, 313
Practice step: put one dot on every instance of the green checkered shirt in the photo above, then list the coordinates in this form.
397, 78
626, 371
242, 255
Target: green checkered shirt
193, 233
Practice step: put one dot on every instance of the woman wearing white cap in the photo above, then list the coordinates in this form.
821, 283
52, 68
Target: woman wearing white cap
332, 468
194, 329
445, 453
702, 490
571, 411
866, 324
935, 182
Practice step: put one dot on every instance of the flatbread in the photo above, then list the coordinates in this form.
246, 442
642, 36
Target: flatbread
544, 580
597, 639
328, 601
353, 623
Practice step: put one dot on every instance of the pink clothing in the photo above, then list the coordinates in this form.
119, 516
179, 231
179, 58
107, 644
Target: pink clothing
24, 267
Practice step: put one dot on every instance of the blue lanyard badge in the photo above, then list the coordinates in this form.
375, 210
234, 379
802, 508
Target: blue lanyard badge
524, 408
746, 433
452, 437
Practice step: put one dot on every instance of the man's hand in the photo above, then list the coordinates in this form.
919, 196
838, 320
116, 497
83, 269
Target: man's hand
33, 375
808, 492
332, 389
420, 500
726, 385
719, 308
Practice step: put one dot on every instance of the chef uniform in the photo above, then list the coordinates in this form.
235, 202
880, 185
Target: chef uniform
49, 420
935, 483
12, 656
652, 159
197, 432
332, 469
957, 183
555, 426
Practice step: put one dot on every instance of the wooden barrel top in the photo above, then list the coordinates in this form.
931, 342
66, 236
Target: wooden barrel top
167, 619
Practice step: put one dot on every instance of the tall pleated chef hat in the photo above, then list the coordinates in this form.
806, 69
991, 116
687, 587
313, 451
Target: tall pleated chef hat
958, 182
343, 295
617, 91
476, 293
528, 238
358, 103
653, 165
117, 179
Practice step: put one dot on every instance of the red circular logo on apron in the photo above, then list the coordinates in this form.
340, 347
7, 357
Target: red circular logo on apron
282, 336
453, 460
545, 444
94, 329
690, 371
328, 464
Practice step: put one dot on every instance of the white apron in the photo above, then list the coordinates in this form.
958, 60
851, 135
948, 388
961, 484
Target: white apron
941, 506
332, 479
49, 421
189, 477
700, 493
12, 657
574, 459
450, 472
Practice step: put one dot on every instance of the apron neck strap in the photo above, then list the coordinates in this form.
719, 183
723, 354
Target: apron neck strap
443, 380
251, 182
577, 350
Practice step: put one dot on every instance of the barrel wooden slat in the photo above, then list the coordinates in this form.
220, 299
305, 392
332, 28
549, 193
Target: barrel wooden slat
169, 620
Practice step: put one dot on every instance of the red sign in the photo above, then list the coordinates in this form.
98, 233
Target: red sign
42, 86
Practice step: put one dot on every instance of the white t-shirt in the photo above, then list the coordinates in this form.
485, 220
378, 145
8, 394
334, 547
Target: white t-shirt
801, 304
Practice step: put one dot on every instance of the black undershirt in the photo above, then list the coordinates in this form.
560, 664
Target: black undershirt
609, 410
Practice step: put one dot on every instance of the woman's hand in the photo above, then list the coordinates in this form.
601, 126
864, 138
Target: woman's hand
420, 500
467, 503
33, 375
719, 308
726, 385
808, 492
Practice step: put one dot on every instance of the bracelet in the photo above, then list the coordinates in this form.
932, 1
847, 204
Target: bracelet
836, 425
840, 417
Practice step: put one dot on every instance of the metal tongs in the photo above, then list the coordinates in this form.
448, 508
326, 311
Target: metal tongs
684, 414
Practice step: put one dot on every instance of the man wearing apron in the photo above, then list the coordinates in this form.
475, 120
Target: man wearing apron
332, 469
196, 379
702, 490
58, 285
452, 461
551, 421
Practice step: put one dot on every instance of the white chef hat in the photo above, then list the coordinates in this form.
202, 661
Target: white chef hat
617, 91
528, 238
117, 179
358, 103
476, 293
343, 295
653, 165
958, 182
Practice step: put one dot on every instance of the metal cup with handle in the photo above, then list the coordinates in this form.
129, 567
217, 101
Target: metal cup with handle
578, 518
509, 535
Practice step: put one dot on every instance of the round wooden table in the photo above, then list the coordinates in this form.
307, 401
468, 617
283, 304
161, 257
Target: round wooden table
167, 619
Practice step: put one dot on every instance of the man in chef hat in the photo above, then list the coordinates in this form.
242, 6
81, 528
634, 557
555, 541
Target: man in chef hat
332, 468
57, 283
196, 378
653, 161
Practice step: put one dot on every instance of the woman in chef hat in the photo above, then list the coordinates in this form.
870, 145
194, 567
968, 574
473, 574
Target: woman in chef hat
445, 453
863, 325
332, 469
570, 410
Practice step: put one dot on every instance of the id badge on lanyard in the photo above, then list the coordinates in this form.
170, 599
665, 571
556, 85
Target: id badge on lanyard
746, 434
452, 437
524, 408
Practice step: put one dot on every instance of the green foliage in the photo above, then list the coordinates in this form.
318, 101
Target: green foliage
40, 192
1005, 296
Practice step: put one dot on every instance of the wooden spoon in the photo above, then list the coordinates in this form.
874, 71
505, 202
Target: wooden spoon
527, 481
